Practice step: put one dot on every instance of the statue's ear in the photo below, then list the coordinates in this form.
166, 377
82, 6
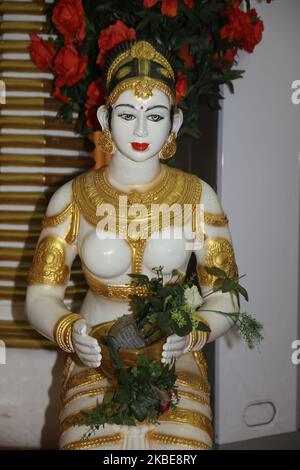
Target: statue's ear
102, 115
177, 121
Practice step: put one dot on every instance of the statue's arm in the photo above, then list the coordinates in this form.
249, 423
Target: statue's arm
217, 251
50, 269
48, 278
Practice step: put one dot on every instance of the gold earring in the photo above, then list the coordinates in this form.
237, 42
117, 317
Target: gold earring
170, 147
105, 142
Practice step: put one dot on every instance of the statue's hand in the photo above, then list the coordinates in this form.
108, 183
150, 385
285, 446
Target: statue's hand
86, 347
173, 348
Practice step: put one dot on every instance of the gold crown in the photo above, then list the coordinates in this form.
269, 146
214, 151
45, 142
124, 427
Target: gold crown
142, 83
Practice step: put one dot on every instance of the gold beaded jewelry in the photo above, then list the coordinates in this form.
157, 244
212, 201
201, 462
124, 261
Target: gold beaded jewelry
170, 147
105, 142
62, 332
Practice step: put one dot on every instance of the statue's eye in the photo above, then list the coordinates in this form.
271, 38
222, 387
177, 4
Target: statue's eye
154, 117
127, 116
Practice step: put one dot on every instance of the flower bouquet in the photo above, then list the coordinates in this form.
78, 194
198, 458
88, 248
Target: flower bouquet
132, 346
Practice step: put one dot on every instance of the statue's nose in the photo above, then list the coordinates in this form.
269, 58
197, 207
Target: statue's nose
141, 128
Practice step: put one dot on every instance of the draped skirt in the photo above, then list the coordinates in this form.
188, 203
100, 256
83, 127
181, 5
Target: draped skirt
189, 426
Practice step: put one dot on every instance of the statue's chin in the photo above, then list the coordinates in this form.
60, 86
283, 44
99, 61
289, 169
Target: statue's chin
139, 158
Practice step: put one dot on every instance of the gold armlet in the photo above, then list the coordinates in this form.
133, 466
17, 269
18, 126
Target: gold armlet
218, 253
62, 332
49, 263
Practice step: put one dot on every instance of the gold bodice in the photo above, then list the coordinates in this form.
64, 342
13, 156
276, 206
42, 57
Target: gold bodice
92, 189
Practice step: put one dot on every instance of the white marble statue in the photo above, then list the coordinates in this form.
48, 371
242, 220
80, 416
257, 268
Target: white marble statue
140, 123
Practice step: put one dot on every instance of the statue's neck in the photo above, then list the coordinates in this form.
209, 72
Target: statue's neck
125, 174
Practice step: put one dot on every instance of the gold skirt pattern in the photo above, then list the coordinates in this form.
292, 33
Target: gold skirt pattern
189, 426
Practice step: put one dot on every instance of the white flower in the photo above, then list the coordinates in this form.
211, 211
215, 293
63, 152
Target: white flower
193, 297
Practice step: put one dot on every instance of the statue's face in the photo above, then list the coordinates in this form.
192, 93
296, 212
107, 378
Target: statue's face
140, 128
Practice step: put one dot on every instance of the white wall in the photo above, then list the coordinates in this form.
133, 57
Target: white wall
258, 176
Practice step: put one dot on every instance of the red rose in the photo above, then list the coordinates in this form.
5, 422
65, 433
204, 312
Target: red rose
69, 66
150, 3
112, 36
189, 3
164, 406
69, 19
59, 96
169, 7
186, 57
42, 52
96, 97
244, 27
181, 86
253, 35
166, 401
229, 55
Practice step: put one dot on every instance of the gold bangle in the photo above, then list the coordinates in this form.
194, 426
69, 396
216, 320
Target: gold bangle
197, 340
62, 332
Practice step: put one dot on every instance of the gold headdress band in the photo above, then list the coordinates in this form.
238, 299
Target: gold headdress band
140, 68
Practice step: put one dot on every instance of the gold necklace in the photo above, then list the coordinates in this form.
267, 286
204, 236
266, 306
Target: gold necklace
173, 186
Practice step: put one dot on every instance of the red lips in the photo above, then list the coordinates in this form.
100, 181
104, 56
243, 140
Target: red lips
139, 146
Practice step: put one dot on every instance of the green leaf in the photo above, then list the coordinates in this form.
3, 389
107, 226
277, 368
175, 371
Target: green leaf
228, 285
203, 327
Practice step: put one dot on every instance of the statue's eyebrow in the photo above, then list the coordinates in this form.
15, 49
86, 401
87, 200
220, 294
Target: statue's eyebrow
129, 105
148, 109
157, 106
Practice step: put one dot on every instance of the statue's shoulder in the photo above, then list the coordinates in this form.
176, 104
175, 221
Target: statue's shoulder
209, 198
60, 199
64, 196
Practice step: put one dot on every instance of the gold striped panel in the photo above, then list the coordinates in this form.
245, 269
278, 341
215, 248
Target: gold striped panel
33, 141
32, 104
14, 46
22, 335
21, 217
24, 198
22, 27
29, 8
38, 123
17, 107
29, 237
17, 66
50, 161
27, 84
34, 179
19, 293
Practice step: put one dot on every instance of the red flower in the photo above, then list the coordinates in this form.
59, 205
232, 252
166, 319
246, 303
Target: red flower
166, 401
186, 57
169, 7
42, 52
150, 3
69, 19
189, 3
255, 36
112, 36
69, 66
246, 28
59, 96
181, 86
229, 55
96, 95
164, 406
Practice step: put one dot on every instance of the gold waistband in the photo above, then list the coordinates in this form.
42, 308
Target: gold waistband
116, 291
